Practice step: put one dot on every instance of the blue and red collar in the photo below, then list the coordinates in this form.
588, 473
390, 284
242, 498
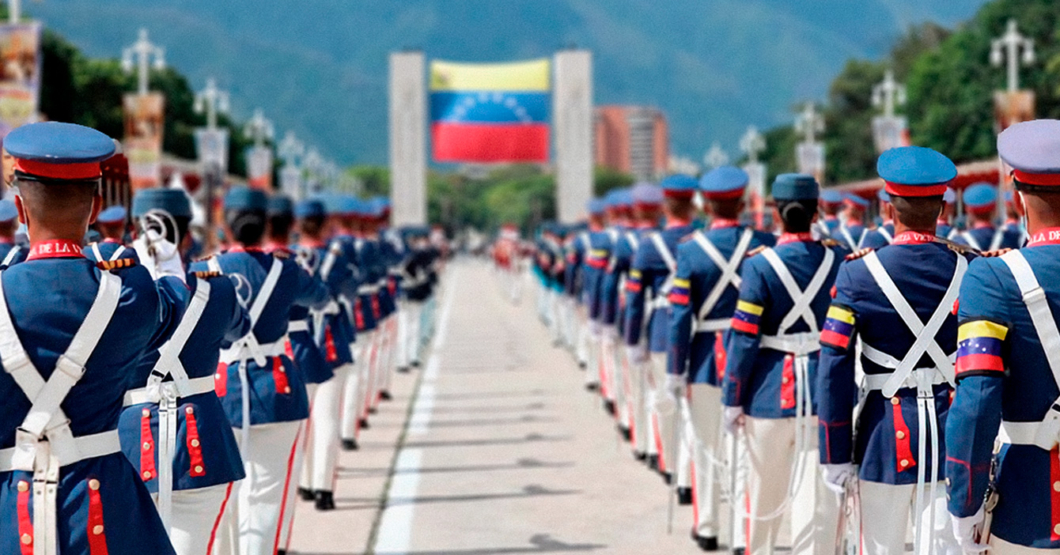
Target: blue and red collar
56, 248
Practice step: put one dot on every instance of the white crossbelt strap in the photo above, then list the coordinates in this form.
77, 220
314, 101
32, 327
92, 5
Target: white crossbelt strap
96, 252
661, 297
633, 240
999, 235
970, 239
329, 260
886, 234
214, 265
729, 275
44, 442
117, 253
925, 333
802, 299
1044, 434
11, 254
848, 237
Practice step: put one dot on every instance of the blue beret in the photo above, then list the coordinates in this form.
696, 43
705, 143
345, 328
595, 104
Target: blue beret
8, 211
883, 195
980, 196
856, 200
617, 198
646, 193
724, 182
279, 205
1032, 149
949, 196
795, 186
915, 171
831, 196
171, 201
112, 215
679, 185
245, 198
309, 208
596, 206
59, 150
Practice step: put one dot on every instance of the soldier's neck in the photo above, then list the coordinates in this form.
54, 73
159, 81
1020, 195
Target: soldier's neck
900, 228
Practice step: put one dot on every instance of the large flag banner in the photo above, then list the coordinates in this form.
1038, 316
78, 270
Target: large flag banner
144, 124
20, 64
212, 146
490, 113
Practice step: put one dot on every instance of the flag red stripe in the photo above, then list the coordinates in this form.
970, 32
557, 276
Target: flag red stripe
484, 143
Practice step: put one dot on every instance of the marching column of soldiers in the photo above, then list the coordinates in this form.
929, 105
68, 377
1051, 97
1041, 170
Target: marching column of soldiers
156, 405
863, 384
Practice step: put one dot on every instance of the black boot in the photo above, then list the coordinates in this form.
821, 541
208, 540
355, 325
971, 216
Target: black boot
706, 544
306, 494
403, 369
415, 364
684, 496
348, 445
364, 424
281, 552
625, 433
667, 477
653, 462
385, 395
609, 407
325, 501
640, 456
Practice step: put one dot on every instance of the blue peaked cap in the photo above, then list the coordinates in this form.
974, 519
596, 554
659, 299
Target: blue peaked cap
724, 181
112, 215
915, 165
864, 203
596, 206
980, 195
795, 186
246, 199
280, 205
171, 201
831, 196
309, 208
646, 193
1032, 148
679, 184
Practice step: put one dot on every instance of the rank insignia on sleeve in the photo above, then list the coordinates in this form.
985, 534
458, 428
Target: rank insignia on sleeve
979, 347
679, 292
746, 317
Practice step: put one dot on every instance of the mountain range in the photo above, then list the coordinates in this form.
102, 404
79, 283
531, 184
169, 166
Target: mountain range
319, 67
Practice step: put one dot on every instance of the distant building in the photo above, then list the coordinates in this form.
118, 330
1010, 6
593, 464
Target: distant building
632, 139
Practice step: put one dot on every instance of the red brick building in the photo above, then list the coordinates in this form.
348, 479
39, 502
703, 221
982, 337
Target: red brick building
631, 139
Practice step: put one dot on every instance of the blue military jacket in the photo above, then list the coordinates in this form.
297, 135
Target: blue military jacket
612, 311
648, 288
576, 249
302, 346
331, 328
12, 253
594, 266
279, 389
48, 299
1002, 372
214, 456
366, 306
874, 239
109, 249
849, 234
887, 428
983, 238
700, 355
760, 379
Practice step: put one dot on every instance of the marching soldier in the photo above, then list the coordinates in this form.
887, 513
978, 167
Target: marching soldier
831, 203
618, 204
852, 230
1013, 217
11, 252
944, 228
650, 282
883, 235
898, 303
1004, 498
980, 202
174, 430
111, 226
389, 258
768, 384
706, 286
594, 258
262, 391
74, 332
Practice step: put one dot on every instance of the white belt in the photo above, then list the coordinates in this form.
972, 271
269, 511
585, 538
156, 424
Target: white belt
660, 301
265, 350
77, 449
295, 326
196, 386
875, 382
1042, 434
367, 289
710, 326
797, 344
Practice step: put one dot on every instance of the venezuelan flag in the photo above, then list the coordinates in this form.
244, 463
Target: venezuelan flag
490, 113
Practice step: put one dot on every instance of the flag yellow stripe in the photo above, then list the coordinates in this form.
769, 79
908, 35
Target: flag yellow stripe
682, 283
981, 328
528, 76
744, 306
841, 314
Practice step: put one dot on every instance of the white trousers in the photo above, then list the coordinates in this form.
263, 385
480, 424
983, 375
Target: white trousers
356, 388
322, 434
663, 415
555, 316
408, 347
886, 511
269, 465
814, 509
704, 409
640, 417
616, 374
298, 468
593, 369
198, 518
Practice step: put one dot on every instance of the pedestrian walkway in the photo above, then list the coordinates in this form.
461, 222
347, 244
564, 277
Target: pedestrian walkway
504, 452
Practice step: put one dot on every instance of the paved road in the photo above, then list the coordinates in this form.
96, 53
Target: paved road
503, 452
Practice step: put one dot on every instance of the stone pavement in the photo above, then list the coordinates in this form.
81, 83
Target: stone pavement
504, 452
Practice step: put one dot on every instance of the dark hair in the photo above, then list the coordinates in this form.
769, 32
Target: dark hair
797, 214
248, 226
917, 212
280, 225
312, 225
57, 201
728, 209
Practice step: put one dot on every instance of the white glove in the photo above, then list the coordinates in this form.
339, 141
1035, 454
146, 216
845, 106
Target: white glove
638, 354
968, 530
733, 419
160, 256
675, 387
836, 476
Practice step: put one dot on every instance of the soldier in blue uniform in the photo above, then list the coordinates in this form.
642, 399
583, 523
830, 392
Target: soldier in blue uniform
111, 245
333, 332
831, 203
1013, 217
618, 207
596, 252
980, 203
1005, 496
74, 332
173, 429
943, 228
767, 388
417, 280
267, 421
852, 230
10, 251
648, 288
389, 258
883, 235
898, 301
706, 286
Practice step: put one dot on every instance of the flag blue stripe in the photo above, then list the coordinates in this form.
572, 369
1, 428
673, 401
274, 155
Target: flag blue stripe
490, 107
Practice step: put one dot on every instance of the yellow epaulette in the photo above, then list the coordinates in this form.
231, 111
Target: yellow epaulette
208, 274
957, 247
204, 258
119, 264
829, 242
756, 250
860, 253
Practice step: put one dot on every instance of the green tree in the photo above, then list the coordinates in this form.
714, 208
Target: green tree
375, 180
605, 179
